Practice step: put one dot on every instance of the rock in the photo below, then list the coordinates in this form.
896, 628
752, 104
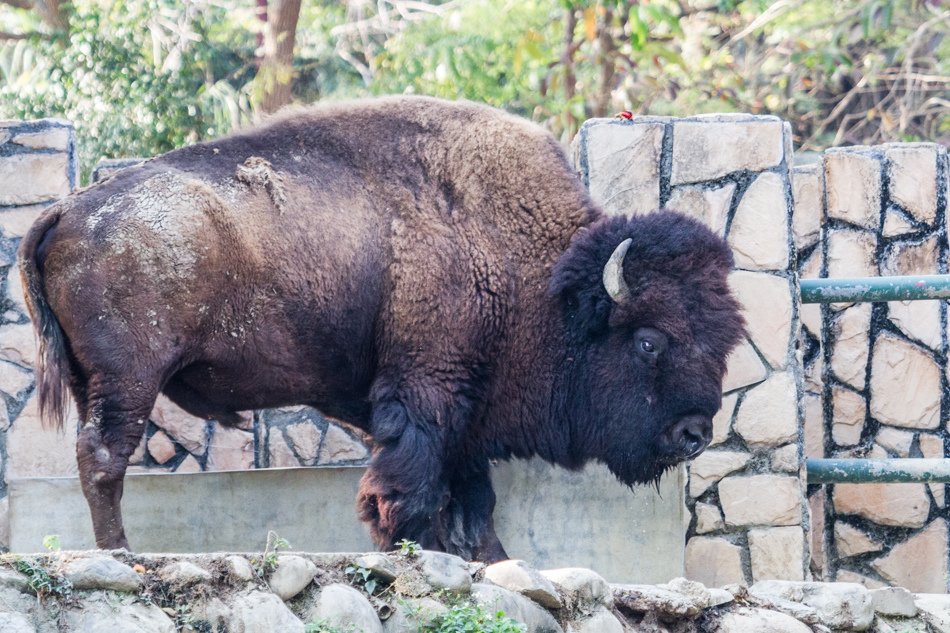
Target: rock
850, 541
722, 421
713, 561
161, 447
624, 166
901, 505
291, 576
912, 258
920, 320
850, 346
852, 187
894, 601
343, 606
920, 562
181, 574
935, 609
278, 452
339, 447
11, 579
743, 368
34, 450
761, 500
16, 623
51, 137
413, 614
777, 553
708, 518
381, 567
748, 620
101, 573
18, 343
711, 466
699, 154
912, 174
816, 512
305, 439
896, 223
601, 621
718, 597
444, 571
759, 231
897, 442
650, 599
516, 607
768, 415
851, 254
767, 306
580, 588
240, 568
231, 449
814, 424
190, 431
693, 590
32, 178
849, 413
709, 206
905, 385
516, 575
14, 379
189, 465
838, 605
260, 612
846, 575
17, 221
932, 447
807, 193
786, 459
101, 613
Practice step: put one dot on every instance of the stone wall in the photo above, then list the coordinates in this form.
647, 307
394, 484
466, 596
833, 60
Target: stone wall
876, 374
745, 493
87, 592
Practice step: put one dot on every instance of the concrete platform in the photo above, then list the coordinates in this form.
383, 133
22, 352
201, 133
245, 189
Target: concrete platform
545, 515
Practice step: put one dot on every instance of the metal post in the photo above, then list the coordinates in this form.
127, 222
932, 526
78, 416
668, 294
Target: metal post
860, 471
861, 289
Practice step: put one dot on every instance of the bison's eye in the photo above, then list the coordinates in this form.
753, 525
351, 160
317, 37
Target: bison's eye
650, 343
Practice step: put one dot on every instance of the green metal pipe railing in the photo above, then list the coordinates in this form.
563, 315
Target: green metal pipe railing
879, 471
869, 289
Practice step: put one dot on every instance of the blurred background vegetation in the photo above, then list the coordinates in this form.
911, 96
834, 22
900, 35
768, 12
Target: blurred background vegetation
139, 77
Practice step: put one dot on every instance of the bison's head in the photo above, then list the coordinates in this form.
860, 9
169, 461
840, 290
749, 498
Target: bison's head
650, 322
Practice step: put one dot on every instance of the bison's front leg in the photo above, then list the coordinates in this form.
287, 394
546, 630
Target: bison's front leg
466, 527
403, 489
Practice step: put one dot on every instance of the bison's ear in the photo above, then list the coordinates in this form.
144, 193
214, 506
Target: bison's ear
578, 284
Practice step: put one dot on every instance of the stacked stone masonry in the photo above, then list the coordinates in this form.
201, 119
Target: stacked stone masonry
808, 380
876, 374
88, 592
745, 493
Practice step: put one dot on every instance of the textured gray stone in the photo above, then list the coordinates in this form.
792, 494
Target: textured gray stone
183, 574
699, 152
580, 587
413, 614
749, 620
839, 605
624, 166
444, 571
600, 621
853, 187
292, 575
650, 599
516, 607
101, 613
15, 623
101, 573
343, 606
32, 178
894, 601
759, 232
379, 564
259, 612
240, 568
13, 580
517, 575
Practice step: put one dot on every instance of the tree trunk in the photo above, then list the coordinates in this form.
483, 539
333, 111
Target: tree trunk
275, 76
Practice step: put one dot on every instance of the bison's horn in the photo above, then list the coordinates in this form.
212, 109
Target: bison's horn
613, 274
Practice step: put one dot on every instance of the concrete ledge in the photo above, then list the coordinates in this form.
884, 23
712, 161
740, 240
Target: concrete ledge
546, 515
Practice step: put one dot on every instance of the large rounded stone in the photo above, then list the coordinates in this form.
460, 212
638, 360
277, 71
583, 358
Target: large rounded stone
413, 614
259, 612
101, 613
516, 607
839, 605
746, 620
183, 574
517, 576
101, 573
292, 575
580, 587
601, 621
444, 571
345, 607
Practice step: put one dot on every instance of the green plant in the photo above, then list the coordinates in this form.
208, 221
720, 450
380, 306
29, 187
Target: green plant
43, 583
321, 625
409, 548
51, 542
362, 577
269, 557
473, 618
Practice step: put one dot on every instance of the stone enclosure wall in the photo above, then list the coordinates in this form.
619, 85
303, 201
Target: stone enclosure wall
836, 385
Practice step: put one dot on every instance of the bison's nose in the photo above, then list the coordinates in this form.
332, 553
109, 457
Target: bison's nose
688, 437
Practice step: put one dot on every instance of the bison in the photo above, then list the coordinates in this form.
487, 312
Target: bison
432, 273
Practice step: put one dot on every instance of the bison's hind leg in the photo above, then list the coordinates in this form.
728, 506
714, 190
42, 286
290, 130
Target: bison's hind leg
114, 415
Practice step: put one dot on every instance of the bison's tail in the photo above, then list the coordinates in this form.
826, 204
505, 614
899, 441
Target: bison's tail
52, 364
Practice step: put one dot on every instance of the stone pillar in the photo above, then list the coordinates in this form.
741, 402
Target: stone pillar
37, 166
885, 364
745, 494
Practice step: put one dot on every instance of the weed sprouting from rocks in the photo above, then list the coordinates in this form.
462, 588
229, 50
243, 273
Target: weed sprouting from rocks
43, 583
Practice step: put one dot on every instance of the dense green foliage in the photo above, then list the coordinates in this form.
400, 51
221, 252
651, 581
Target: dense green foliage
143, 76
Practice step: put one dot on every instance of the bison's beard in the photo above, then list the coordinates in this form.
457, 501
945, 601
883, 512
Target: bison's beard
633, 470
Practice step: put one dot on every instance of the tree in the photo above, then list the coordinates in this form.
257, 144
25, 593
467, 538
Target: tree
276, 73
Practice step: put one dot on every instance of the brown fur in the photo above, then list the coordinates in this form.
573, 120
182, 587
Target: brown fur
392, 263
